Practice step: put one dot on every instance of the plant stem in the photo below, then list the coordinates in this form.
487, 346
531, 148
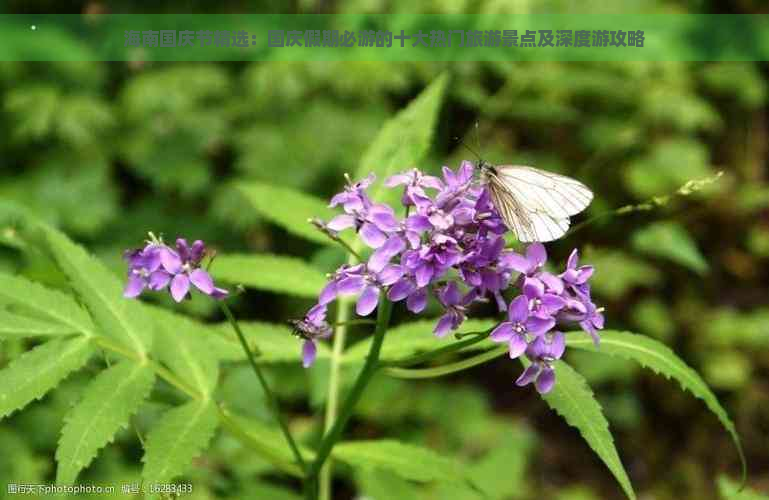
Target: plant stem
332, 397
427, 356
439, 371
272, 402
364, 377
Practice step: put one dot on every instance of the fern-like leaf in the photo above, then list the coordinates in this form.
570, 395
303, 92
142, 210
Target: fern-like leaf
37, 371
106, 407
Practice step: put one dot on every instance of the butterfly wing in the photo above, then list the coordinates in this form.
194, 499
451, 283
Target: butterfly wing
535, 204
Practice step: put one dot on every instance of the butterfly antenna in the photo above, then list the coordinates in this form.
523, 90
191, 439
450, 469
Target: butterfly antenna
468, 147
478, 136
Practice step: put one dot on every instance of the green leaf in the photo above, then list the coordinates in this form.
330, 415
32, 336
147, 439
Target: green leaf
669, 240
405, 460
102, 293
573, 399
731, 490
377, 483
16, 326
273, 273
267, 442
186, 352
178, 437
659, 358
107, 405
35, 372
404, 140
288, 208
32, 298
413, 337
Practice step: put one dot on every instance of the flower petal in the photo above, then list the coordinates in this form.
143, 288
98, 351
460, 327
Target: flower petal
202, 280
159, 280
390, 274
417, 301
180, 285
545, 381
538, 326
518, 310
515, 262
553, 282
341, 222
401, 289
518, 345
134, 286
372, 235
350, 285
170, 260
367, 301
536, 254
533, 288
309, 351
529, 375
328, 293
502, 333
444, 325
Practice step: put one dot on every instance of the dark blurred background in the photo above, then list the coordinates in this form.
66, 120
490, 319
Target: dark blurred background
108, 151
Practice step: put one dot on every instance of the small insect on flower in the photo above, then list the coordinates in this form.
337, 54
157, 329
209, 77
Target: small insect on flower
535, 204
313, 326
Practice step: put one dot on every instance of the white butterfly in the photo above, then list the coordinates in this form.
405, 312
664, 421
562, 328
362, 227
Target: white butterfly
535, 204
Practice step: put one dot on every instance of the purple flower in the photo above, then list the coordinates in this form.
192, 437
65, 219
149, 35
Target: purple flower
542, 304
156, 266
453, 240
415, 182
542, 353
366, 280
451, 299
582, 310
144, 270
312, 327
576, 275
520, 327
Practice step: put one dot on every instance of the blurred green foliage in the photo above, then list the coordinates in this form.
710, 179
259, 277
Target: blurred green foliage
108, 151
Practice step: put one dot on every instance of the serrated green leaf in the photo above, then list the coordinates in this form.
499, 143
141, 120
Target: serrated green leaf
102, 293
32, 298
659, 358
107, 405
404, 140
669, 240
413, 337
188, 353
288, 208
267, 442
274, 273
405, 460
16, 326
377, 483
274, 342
177, 437
573, 399
35, 372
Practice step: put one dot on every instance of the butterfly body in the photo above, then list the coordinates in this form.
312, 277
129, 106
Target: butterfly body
535, 204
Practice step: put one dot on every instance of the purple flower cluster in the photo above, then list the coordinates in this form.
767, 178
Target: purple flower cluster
157, 266
451, 244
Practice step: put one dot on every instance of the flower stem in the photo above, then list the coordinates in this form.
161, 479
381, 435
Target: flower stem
364, 377
354, 322
272, 402
427, 356
439, 371
332, 399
